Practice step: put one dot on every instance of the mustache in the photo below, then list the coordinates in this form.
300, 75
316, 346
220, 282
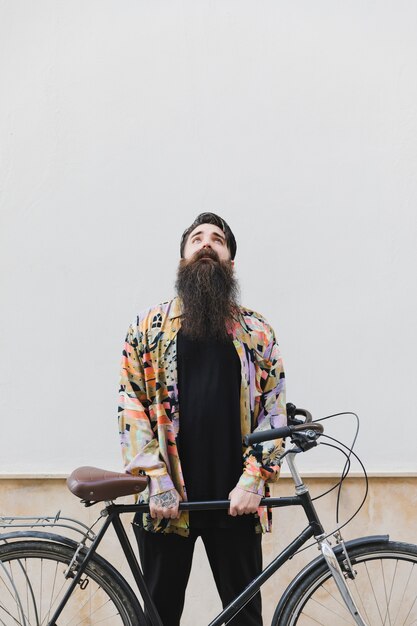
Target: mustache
203, 254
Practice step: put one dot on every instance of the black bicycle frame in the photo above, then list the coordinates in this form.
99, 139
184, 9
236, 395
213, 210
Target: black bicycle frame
114, 511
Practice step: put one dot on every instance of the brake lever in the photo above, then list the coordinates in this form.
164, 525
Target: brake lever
305, 439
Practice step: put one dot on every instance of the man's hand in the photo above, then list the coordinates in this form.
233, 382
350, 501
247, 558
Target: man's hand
242, 502
165, 504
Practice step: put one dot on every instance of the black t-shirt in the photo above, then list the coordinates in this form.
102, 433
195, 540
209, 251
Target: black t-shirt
209, 438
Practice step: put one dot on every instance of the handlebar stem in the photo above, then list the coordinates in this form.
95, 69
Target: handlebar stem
300, 487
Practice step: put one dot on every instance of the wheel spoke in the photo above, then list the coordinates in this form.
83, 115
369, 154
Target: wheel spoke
408, 614
332, 611
373, 593
52, 593
338, 601
15, 595
81, 607
387, 612
95, 611
57, 595
29, 591
359, 596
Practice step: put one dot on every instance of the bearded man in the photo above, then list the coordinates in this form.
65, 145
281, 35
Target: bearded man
199, 373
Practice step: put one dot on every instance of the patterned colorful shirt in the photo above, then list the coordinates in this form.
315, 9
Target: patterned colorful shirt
149, 417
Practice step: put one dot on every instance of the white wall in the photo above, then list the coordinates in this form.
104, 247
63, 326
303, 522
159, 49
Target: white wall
120, 121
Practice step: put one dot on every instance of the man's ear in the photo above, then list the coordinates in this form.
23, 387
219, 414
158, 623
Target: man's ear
233, 263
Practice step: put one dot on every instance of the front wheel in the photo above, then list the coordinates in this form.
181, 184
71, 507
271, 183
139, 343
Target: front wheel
384, 589
32, 583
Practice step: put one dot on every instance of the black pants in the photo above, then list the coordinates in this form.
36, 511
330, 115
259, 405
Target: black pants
235, 558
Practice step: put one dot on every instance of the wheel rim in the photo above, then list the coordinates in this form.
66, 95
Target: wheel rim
385, 592
32, 586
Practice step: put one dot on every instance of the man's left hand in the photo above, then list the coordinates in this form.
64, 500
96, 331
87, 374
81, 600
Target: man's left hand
242, 502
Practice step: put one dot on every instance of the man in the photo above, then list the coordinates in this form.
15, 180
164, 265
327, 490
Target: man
199, 373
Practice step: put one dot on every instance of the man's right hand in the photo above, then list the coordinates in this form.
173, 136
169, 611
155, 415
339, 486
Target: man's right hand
165, 504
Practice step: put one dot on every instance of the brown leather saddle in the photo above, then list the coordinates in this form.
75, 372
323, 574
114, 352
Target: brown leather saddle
94, 484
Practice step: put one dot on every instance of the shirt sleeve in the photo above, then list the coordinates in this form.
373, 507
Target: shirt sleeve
262, 460
140, 447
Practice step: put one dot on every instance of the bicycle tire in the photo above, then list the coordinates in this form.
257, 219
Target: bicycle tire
32, 582
385, 590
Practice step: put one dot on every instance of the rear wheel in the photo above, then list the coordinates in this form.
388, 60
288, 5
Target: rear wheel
32, 583
385, 590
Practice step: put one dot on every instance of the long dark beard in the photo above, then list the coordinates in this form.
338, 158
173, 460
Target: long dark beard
209, 292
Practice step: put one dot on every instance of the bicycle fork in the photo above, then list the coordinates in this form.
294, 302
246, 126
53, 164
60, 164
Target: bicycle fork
333, 564
335, 569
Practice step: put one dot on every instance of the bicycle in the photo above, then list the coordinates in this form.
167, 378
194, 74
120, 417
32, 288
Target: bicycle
49, 579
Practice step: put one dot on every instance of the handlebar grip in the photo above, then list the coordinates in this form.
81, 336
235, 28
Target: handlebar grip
268, 435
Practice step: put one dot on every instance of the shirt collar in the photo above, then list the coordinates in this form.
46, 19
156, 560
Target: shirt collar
175, 309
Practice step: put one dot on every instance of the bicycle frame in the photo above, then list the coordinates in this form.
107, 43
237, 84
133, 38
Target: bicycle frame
314, 529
